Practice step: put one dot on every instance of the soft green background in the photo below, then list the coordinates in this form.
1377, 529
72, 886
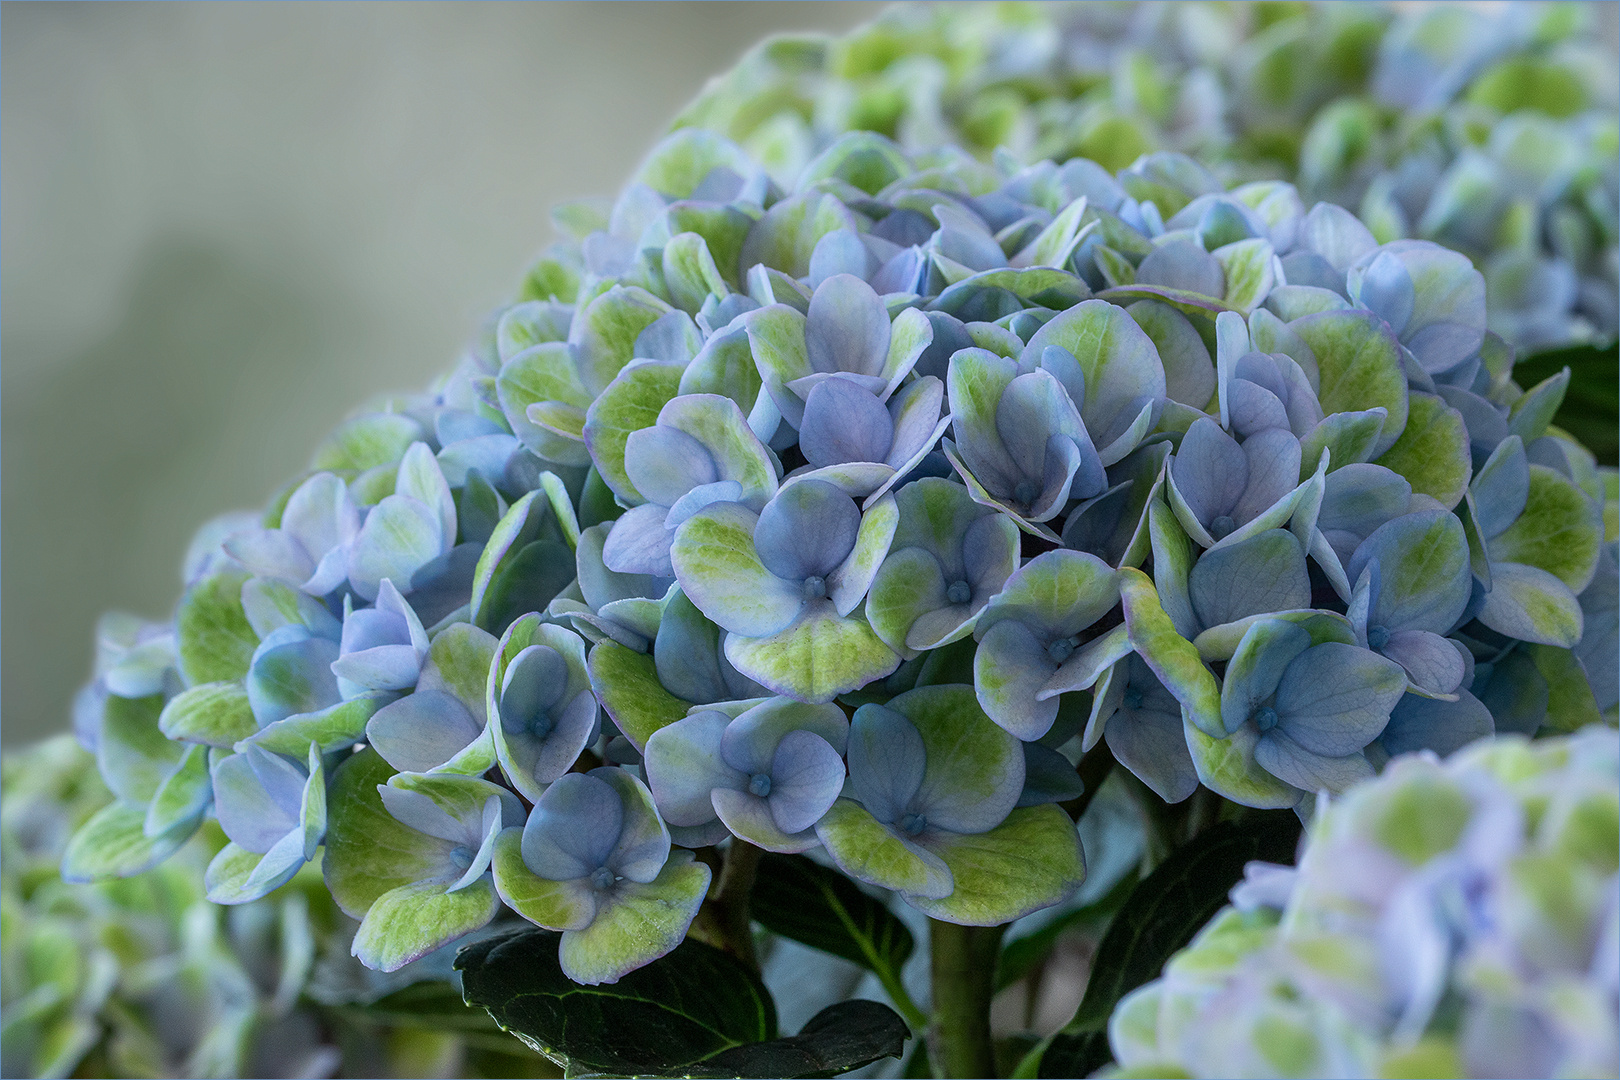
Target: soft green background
222, 226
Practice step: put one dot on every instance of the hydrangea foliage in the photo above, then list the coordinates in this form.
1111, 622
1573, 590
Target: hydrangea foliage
844, 503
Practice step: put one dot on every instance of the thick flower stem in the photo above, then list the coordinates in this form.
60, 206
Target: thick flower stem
964, 971
723, 920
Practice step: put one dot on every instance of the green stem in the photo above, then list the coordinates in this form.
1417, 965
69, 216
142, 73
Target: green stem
964, 971
731, 900
915, 1018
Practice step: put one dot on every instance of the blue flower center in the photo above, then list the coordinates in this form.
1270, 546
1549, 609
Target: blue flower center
1377, 637
1060, 650
912, 824
1026, 492
603, 878
1133, 698
462, 856
960, 592
814, 588
1265, 718
1222, 527
760, 784
542, 723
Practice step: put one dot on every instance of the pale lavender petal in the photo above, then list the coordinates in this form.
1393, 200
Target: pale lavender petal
643, 844
847, 327
561, 748
1153, 745
1262, 574
253, 814
1009, 670
1273, 458
1431, 662
421, 813
421, 731
683, 764
748, 817
400, 536
665, 463
271, 553
1182, 264
1251, 408
1291, 763
321, 514
639, 544
385, 667
534, 681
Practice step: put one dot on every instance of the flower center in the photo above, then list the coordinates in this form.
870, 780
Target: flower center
814, 588
912, 824
1222, 527
1026, 492
542, 723
1133, 698
603, 878
1265, 718
1377, 637
462, 856
1060, 650
760, 784
960, 592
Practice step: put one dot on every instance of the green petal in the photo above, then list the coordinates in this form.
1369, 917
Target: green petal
336, 727
1570, 703
113, 843
368, 851
866, 849
1171, 657
527, 559
1249, 275
631, 402
1058, 590
605, 333
529, 630
1530, 604
1346, 437
690, 272
626, 683
776, 337
543, 373
1172, 566
458, 663
1220, 642
1359, 363
215, 642
817, 658
1560, 531
1432, 453
908, 585
131, 751
640, 924
413, 920
367, 441
555, 905
1030, 861
183, 796
228, 874
1227, 767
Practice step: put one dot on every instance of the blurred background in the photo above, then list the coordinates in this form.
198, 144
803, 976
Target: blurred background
224, 226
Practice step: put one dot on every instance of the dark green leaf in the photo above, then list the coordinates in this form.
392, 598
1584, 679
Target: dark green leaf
837, 1039
821, 908
1591, 408
1161, 916
659, 1020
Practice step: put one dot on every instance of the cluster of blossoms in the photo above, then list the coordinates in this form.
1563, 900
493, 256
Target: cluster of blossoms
143, 977
847, 516
1493, 132
1447, 919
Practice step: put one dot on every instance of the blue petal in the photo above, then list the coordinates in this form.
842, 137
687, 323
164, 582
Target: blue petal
573, 828
1291, 763
1182, 264
1210, 470
844, 422
257, 796
806, 777
1009, 670
807, 530
638, 543
886, 761
1262, 574
1335, 699
1421, 723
